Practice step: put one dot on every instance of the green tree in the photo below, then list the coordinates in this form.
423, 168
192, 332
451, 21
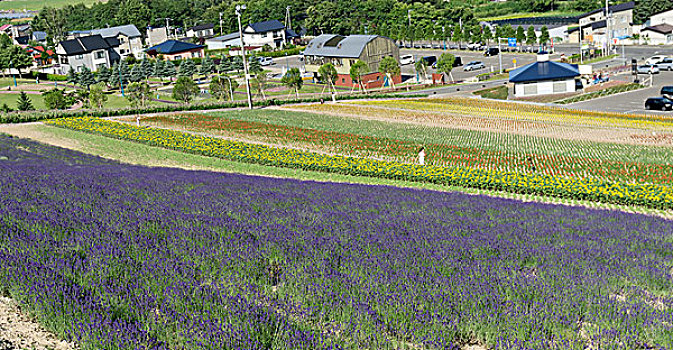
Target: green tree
390, 67
544, 35
55, 99
225, 66
531, 37
139, 94
488, 34
260, 83
97, 95
293, 80
520, 35
187, 68
357, 70
457, 36
445, 64
86, 78
158, 70
18, 58
253, 65
221, 87
207, 66
185, 89
147, 68
328, 75
421, 67
509, 31
133, 12
23, 103
136, 74
103, 74
169, 70
72, 76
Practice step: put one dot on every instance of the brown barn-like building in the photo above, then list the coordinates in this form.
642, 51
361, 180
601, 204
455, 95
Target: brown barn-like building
344, 51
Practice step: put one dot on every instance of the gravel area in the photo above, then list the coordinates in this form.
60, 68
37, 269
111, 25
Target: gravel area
18, 331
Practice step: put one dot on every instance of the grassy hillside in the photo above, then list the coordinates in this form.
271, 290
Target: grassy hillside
19, 5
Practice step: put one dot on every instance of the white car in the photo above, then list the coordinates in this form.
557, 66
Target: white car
665, 64
474, 65
655, 59
265, 61
647, 69
407, 59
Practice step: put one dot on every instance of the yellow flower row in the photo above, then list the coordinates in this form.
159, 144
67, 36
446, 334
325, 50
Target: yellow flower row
577, 188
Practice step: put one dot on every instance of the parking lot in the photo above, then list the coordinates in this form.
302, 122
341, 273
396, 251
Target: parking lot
632, 101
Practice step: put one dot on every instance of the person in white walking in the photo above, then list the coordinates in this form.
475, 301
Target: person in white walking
421, 156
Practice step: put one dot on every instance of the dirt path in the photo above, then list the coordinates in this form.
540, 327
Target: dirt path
18, 331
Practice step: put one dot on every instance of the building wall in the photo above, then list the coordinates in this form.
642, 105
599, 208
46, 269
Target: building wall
661, 18
376, 50
156, 36
544, 88
194, 53
274, 38
200, 33
218, 44
371, 80
655, 38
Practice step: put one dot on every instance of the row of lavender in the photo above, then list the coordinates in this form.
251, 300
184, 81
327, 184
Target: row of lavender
124, 257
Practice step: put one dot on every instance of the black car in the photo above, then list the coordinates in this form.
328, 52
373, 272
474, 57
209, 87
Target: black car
661, 103
667, 91
457, 61
430, 60
491, 51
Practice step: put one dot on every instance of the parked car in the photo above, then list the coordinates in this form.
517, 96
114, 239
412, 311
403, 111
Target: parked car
417, 46
473, 46
453, 47
407, 59
265, 61
457, 61
436, 46
667, 91
474, 65
661, 103
491, 51
655, 59
647, 69
429, 60
665, 64
427, 46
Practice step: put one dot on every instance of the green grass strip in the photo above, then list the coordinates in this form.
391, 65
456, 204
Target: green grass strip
653, 196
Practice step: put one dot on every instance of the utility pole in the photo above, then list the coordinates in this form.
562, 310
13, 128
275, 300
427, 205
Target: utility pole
607, 28
499, 56
220, 23
245, 60
581, 53
288, 19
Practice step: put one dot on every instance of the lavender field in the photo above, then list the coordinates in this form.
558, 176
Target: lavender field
115, 256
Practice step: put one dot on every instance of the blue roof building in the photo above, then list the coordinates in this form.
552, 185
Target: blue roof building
544, 77
175, 50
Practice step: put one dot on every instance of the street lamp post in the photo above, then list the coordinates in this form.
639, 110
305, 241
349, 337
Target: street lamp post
11, 67
220, 23
607, 28
245, 61
444, 36
231, 87
121, 82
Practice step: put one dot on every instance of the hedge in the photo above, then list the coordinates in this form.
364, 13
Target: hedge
24, 117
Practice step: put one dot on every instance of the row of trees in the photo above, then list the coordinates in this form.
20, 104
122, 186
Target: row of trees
12, 56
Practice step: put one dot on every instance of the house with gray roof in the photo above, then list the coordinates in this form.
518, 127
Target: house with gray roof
130, 39
93, 52
344, 51
594, 27
224, 41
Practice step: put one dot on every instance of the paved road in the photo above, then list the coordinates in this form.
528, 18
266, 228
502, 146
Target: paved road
629, 102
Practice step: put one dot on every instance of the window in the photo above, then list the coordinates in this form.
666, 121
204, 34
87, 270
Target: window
559, 86
343, 80
79, 69
264, 35
100, 55
79, 57
178, 57
196, 54
530, 89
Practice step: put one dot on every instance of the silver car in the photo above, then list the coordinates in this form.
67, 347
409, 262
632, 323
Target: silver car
665, 64
474, 65
647, 69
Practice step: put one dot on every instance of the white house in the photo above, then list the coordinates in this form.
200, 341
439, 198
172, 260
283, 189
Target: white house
224, 41
270, 33
661, 18
544, 77
201, 31
660, 34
